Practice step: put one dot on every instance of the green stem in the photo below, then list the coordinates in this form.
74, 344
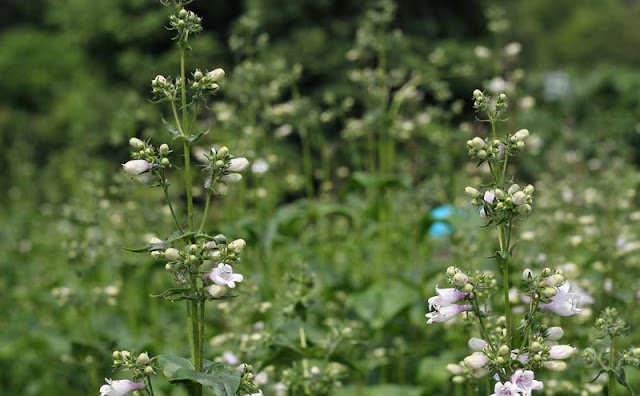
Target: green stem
165, 187
305, 362
505, 237
149, 386
201, 335
612, 374
206, 210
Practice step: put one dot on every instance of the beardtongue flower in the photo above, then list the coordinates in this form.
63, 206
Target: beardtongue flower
223, 275
563, 303
477, 344
523, 379
119, 387
136, 167
238, 164
476, 360
489, 196
561, 351
445, 297
508, 389
446, 313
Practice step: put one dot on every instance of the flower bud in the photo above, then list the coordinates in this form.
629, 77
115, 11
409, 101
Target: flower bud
519, 198
164, 149
460, 279
182, 14
513, 189
169, 267
527, 274
217, 291
524, 209
237, 245
136, 167
521, 134
635, 352
535, 346
116, 355
502, 97
554, 333
165, 161
125, 354
476, 360
482, 154
561, 351
528, 189
555, 280
550, 291
223, 152
172, 254
546, 272
468, 288
142, 359
554, 365
159, 80
136, 143
197, 75
477, 93
504, 350
499, 360
451, 271
148, 370
472, 192
455, 369
231, 178
216, 74
499, 194
210, 245
238, 164
477, 142
477, 344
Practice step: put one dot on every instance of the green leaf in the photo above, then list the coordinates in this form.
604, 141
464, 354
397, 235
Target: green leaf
621, 377
379, 304
175, 237
220, 378
197, 136
172, 130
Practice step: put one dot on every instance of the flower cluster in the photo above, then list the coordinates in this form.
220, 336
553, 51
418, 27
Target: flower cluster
206, 82
482, 149
147, 164
551, 292
497, 204
223, 169
185, 23
140, 366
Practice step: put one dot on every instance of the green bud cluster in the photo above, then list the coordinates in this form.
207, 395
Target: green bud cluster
483, 149
497, 204
222, 169
140, 365
185, 23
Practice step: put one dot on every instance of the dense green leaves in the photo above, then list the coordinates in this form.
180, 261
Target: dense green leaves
221, 379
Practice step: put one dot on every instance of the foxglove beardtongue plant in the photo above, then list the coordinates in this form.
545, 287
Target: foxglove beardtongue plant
202, 265
503, 204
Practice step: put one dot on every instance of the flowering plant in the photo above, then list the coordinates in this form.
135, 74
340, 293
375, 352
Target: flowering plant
202, 265
508, 354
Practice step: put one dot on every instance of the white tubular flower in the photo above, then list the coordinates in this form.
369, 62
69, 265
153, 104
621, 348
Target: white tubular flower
476, 360
508, 389
237, 245
529, 189
524, 380
519, 198
554, 365
223, 275
254, 394
561, 351
563, 303
521, 134
136, 167
446, 313
554, 333
479, 373
238, 164
477, 344
445, 297
119, 387
231, 178
489, 196
216, 74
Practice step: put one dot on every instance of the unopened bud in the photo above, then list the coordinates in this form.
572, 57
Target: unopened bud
472, 192
482, 154
216, 74
477, 93
499, 194
527, 274
504, 350
116, 355
217, 291
164, 149
550, 291
468, 288
451, 271
165, 161
172, 254
528, 189
223, 152
237, 245
142, 359
477, 142
524, 209
460, 279
521, 134
148, 370
136, 143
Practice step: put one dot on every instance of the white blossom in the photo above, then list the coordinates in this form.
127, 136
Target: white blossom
524, 380
446, 313
223, 275
476, 360
119, 387
238, 164
136, 167
563, 303
508, 389
561, 351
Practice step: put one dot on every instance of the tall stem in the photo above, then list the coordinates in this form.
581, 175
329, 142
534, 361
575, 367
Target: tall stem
165, 187
611, 373
206, 210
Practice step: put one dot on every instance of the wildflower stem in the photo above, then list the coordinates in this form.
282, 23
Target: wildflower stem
165, 187
149, 387
611, 373
206, 211
305, 362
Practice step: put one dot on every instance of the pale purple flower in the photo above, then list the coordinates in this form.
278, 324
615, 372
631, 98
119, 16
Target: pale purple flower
446, 313
508, 389
477, 344
446, 297
563, 303
497, 85
254, 394
223, 275
119, 387
230, 358
489, 196
136, 167
524, 380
